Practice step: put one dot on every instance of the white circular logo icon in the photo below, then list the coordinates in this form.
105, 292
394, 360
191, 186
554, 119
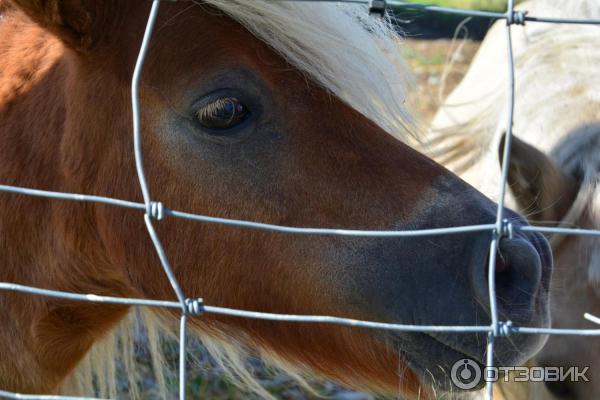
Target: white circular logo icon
465, 374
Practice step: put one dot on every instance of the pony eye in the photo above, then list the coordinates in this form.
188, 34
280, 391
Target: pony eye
222, 113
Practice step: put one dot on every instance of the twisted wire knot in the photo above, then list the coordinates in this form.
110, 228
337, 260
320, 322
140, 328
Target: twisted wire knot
194, 306
516, 17
505, 328
507, 229
156, 210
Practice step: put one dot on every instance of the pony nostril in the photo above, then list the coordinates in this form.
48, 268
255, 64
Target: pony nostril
518, 277
501, 264
504, 273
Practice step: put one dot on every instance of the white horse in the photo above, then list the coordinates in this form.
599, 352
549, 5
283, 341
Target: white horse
554, 169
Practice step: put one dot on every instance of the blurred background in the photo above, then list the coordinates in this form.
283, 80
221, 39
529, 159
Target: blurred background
439, 47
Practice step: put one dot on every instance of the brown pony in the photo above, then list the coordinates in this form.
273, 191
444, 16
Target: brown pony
278, 112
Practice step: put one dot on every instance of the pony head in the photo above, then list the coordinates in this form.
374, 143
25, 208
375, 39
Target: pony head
273, 111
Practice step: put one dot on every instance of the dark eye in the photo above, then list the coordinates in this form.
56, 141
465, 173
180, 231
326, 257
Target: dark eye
222, 113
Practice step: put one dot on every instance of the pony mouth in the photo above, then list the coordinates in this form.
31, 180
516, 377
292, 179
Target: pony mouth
435, 374
432, 356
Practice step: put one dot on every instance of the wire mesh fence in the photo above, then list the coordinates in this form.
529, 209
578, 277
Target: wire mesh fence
154, 210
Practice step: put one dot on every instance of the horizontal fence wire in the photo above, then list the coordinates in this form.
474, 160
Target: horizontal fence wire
154, 210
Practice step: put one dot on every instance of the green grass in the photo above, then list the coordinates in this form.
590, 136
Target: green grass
486, 5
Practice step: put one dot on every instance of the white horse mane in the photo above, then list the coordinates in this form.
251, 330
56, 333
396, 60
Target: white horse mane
355, 57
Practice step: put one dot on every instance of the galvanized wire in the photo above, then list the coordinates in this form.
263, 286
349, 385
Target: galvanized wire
154, 210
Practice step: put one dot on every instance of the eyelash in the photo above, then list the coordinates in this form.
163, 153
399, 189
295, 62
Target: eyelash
223, 113
210, 108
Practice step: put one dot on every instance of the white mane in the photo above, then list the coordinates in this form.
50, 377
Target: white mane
340, 46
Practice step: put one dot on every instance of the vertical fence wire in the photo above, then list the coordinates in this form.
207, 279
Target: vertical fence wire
154, 210
499, 231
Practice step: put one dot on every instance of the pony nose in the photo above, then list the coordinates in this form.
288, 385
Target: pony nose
519, 271
521, 265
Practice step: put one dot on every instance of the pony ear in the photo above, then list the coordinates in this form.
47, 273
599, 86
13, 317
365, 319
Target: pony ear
542, 190
80, 24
